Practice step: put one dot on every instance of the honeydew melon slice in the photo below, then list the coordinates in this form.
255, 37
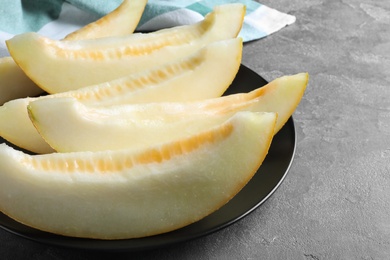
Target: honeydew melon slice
58, 66
81, 128
67, 125
16, 127
15, 84
122, 21
205, 74
282, 95
134, 193
202, 75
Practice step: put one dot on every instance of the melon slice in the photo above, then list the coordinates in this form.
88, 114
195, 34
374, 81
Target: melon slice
16, 129
134, 193
205, 74
281, 95
15, 84
122, 21
58, 66
67, 125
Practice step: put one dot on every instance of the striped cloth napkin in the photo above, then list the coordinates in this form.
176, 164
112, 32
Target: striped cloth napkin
57, 18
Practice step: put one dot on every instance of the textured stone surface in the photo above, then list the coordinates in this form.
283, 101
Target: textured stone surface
335, 201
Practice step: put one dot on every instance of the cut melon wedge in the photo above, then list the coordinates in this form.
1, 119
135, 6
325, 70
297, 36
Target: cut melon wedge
58, 66
134, 193
281, 95
122, 21
15, 84
67, 125
205, 74
16, 128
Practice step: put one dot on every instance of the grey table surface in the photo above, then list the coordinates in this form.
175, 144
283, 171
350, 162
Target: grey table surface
335, 201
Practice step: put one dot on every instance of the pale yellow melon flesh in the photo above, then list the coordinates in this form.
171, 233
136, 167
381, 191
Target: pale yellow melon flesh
67, 125
122, 21
15, 84
129, 194
282, 95
58, 66
203, 75
16, 127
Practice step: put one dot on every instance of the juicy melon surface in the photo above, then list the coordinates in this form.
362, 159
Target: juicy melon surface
14, 83
58, 66
206, 74
67, 125
282, 95
16, 127
129, 194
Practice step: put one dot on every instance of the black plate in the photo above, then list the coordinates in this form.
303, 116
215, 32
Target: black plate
262, 185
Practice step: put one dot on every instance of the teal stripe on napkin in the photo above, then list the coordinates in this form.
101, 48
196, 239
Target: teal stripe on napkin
98, 7
20, 16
